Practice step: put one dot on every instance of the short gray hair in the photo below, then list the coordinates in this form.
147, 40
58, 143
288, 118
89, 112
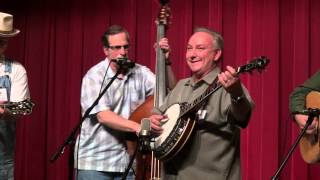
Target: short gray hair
218, 39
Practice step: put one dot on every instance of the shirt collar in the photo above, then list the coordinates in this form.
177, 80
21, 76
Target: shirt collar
208, 79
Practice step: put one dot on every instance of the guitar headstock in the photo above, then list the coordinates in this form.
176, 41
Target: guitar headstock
22, 108
164, 15
256, 64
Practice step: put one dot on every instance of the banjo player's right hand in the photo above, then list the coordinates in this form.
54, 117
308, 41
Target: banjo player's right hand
301, 120
156, 123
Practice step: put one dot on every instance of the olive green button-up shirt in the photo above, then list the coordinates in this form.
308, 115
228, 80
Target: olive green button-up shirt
213, 151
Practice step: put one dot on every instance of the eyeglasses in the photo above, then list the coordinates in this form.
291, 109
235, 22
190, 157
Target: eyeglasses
125, 47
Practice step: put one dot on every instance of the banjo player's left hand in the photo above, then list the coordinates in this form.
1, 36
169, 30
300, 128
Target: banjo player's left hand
229, 79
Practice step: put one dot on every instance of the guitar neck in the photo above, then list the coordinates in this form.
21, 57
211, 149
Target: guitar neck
22, 107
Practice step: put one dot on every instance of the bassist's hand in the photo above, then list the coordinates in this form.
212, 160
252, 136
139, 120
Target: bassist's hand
301, 120
164, 46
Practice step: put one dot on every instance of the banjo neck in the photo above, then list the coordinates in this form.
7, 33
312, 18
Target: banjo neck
257, 63
180, 124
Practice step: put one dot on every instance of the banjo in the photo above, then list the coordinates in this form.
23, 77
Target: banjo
178, 127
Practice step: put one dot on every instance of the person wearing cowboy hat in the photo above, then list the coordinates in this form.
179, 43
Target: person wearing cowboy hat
13, 88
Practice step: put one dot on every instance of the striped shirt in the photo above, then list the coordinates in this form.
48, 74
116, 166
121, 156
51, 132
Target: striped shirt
102, 148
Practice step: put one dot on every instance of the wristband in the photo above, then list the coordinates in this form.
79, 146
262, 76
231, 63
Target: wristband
237, 99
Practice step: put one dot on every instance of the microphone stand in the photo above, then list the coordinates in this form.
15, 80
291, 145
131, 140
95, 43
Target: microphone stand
312, 113
126, 172
72, 136
143, 146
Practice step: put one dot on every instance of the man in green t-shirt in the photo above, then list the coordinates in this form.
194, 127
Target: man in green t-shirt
297, 101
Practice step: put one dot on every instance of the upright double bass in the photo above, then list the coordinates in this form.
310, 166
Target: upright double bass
148, 167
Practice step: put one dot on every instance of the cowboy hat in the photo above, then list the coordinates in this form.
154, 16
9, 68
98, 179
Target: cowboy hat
6, 23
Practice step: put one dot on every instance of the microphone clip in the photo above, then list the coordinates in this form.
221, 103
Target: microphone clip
124, 62
313, 112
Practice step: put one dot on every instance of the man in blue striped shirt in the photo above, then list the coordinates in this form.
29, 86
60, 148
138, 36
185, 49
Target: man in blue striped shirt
101, 151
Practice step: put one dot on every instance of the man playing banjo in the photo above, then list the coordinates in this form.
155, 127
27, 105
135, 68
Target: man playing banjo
212, 150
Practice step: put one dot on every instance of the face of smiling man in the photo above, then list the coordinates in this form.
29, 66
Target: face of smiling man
201, 54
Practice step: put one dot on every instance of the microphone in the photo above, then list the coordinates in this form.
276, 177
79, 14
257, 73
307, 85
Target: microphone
310, 112
145, 136
313, 112
124, 62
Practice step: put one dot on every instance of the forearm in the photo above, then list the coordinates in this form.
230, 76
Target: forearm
117, 122
171, 78
241, 106
241, 111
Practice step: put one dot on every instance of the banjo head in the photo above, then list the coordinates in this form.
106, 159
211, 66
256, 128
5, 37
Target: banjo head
176, 131
168, 124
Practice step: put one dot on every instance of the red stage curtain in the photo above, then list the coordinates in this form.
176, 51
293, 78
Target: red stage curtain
60, 41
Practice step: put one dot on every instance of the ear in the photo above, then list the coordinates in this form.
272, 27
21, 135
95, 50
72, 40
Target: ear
218, 54
105, 50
